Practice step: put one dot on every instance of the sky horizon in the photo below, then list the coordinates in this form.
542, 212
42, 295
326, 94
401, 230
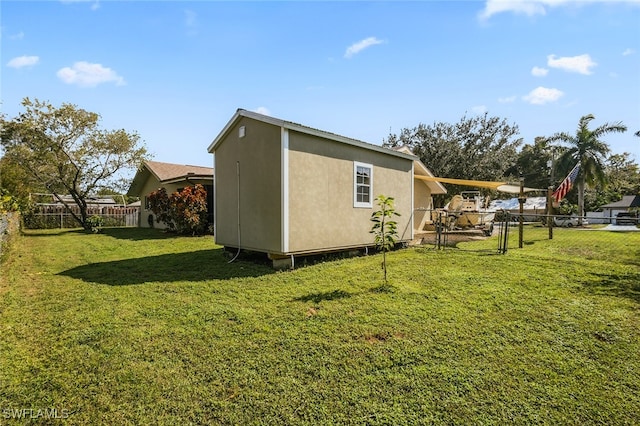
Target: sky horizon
176, 72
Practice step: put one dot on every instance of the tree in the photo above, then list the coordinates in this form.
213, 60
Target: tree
17, 181
184, 211
384, 229
532, 163
586, 148
66, 152
480, 148
623, 178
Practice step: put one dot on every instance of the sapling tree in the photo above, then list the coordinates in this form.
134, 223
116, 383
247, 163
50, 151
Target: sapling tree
384, 228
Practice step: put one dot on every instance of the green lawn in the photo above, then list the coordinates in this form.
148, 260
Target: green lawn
137, 327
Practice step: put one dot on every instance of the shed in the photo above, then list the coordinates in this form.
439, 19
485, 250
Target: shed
153, 175
286, 189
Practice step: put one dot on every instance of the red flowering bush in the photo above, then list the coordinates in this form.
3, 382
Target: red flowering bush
183, 211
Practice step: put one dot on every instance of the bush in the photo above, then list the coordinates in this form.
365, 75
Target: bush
183, 211
95, 223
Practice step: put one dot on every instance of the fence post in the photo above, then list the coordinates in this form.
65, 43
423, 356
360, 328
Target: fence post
503, 239
549, 212
439, 231
521, 201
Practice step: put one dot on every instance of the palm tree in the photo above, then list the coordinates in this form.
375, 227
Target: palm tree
587, 149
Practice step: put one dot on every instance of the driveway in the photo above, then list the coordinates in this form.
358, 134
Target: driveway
620, 228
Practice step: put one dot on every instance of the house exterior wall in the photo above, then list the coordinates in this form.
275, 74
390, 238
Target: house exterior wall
321, 208
258, 154
422, 204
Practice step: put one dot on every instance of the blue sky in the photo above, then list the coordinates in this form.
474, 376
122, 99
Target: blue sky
175, 72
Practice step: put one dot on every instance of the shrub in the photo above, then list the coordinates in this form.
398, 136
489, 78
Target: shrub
183, 211
95, 223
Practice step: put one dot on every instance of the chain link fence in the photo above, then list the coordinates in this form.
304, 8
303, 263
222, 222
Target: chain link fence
502, 230
8, 226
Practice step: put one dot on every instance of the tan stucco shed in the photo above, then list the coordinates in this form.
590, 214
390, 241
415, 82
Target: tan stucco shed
286, 189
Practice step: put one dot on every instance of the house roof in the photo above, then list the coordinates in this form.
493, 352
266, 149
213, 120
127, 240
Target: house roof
168, 173
627, 201
302, 129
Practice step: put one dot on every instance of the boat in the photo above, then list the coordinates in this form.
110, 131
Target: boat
468, 210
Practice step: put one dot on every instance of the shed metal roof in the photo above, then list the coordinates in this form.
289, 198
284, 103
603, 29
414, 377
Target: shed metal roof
303, 129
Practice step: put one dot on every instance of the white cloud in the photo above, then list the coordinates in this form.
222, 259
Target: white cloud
542, 95
539, 72
628, 52
85, 74
479, 109
360, 46
17, 36
581, 64
507, 100
534, 7
262, 110
529, 8
23, 61
191, 22
95, 4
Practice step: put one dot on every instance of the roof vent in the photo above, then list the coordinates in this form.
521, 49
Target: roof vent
241, 132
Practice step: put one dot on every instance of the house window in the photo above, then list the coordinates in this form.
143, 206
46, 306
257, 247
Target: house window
362, 184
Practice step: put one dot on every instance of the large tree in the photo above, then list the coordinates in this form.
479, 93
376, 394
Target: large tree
623, 178
67, 153
533, 163
587, 149
479, 147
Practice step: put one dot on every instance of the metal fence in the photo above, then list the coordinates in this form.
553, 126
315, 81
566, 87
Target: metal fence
8, 225
506, 230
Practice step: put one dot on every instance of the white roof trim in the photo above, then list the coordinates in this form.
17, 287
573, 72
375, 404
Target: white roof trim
303, 129
424, 171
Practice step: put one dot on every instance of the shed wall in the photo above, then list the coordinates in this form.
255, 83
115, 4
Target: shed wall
259, 198
322, 215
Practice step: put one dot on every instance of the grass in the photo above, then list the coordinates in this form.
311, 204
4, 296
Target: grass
133, 326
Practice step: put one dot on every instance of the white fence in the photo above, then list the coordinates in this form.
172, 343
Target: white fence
49, 217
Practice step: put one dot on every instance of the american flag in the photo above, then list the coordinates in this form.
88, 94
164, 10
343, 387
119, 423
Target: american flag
566, 184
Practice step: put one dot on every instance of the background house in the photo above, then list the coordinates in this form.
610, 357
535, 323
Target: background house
286, 189
154, 175
628, 202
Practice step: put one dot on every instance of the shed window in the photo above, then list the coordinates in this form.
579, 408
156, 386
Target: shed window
362, 184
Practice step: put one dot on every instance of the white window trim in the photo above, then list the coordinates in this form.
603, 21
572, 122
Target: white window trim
357, 204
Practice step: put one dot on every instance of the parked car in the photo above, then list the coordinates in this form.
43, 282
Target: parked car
568, 221
626, 218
